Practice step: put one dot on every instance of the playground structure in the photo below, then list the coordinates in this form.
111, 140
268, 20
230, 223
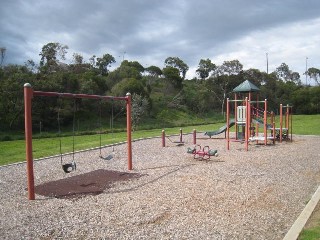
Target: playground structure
248, 113
29, 93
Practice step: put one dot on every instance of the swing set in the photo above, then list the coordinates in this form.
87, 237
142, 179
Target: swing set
29, 93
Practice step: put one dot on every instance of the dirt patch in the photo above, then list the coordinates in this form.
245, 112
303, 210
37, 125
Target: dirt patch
91, 183
314, 220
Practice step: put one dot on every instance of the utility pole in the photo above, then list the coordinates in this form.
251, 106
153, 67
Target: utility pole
267, 63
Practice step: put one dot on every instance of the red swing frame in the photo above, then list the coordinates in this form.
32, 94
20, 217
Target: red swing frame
29, 93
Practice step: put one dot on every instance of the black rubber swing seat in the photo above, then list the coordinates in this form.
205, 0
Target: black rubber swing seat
109, 157
69, 167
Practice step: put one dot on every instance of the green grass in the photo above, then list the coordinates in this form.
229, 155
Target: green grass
14, 151
306, 124
310, 234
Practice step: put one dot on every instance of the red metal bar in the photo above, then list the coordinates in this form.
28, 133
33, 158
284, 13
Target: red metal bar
73, 95
291, 115
247, 127
280, 131
265, 117
274, 132
128, 98
194, 136
236, 114
163, 136
228, 121
28, 136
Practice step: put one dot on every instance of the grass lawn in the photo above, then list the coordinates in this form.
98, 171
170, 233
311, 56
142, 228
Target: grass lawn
14, 151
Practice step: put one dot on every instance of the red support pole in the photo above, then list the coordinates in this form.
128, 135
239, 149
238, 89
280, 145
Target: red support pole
291, 115
280, 132
128, 98
274, 132
265, 122
236, 114
28, 94
163, 136
247, 127
194, 136
228, 130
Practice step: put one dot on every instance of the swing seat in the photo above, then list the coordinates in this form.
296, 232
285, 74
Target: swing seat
179, 144
69, 167
109, 157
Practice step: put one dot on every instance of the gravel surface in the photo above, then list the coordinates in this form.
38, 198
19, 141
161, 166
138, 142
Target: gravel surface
238, 195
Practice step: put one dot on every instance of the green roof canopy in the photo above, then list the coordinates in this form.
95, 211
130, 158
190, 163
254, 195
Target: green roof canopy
246, 86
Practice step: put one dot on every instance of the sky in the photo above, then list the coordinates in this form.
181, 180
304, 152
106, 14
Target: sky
149, 31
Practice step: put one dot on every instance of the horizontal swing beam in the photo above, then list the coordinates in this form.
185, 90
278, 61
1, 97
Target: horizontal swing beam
73, 95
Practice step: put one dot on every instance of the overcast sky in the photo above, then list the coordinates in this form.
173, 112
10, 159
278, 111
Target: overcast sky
149, 31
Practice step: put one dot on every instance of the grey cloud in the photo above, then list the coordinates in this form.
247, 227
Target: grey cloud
145, 29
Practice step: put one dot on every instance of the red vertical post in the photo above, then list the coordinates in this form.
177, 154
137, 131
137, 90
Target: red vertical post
280, 132
194, 136
247, 127
265, 122
228, 130
28, 94
274, 132
236, 114
287, 120
291, 115
163, 136
128, 97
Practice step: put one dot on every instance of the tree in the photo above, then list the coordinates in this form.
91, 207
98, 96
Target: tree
11, 96
284, 73
229, 68
105, 62
92, 61
173, 76
139, 109
223, 75
126, 85
77, 58
177, 63
50, 52
2, 55
314, 73
205, 67
154, 71
31, 65
134, 64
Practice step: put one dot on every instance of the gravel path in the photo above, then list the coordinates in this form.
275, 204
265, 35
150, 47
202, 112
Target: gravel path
238, 195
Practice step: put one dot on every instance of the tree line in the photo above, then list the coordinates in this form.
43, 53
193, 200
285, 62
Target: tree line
156, 91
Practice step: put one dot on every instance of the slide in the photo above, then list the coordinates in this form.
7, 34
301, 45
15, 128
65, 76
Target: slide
260, 121
220, 130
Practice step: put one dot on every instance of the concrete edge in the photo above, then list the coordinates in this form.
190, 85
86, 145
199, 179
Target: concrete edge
300, 222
